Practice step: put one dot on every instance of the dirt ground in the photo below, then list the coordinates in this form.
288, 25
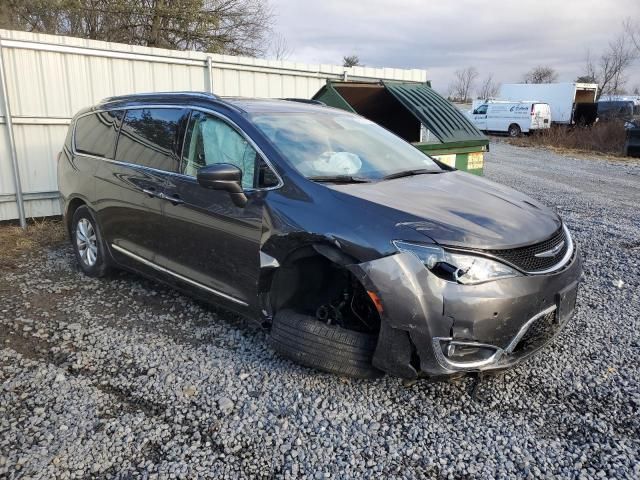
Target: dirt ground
16, 242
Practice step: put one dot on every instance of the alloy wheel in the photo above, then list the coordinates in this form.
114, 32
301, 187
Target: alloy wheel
87, 242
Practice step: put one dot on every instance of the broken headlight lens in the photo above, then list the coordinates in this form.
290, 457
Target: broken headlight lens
457, 267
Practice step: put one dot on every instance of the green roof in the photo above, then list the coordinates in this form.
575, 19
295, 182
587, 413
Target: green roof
443, 119
439, 115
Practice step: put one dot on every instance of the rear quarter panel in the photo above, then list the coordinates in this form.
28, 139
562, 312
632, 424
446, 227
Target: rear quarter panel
75, 174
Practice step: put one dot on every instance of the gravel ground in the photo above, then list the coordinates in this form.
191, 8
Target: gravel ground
123, 378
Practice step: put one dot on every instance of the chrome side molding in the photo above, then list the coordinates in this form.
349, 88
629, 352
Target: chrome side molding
176, 275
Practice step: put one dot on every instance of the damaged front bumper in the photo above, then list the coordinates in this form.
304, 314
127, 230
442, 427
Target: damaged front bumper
435, 327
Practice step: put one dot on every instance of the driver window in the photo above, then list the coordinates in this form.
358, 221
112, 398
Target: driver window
209, 140
481, 110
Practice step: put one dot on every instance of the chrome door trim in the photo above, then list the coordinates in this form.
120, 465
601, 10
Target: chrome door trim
177, 275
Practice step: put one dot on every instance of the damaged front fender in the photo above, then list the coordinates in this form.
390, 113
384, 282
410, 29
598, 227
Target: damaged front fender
436, 327
412, 313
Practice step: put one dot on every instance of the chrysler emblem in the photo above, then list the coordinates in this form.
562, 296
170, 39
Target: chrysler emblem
551, 253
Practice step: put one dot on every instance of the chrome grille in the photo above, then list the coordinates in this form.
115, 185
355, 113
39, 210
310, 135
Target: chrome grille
525, 258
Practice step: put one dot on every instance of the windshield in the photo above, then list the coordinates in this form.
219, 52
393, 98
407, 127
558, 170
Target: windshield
325, 145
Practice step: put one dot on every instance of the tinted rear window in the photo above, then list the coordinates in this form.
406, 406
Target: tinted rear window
95, 134
149, 137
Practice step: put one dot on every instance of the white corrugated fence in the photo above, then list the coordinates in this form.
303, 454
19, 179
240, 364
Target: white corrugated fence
45, 79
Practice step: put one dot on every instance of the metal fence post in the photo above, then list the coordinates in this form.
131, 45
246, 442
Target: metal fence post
12, 144
210, 70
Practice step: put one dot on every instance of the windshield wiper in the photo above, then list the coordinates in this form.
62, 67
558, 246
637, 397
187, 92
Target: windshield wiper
339, 179
409, 173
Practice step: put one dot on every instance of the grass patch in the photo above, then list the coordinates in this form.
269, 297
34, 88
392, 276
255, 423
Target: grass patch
603, 137
15, 241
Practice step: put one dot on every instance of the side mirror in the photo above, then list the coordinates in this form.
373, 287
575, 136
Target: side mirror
223, 176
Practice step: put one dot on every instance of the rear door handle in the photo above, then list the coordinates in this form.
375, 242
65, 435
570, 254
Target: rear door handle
174, 199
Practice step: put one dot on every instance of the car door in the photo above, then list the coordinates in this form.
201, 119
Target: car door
211, 241
479, 117
132, 186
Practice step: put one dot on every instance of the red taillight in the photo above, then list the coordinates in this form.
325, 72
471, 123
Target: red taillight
532, 108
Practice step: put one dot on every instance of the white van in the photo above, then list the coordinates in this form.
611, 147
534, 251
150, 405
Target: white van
513, 118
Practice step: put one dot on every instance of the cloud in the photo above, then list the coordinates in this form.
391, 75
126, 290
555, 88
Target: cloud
498, 37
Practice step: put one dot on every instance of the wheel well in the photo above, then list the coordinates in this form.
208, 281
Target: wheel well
71, 209
314, 285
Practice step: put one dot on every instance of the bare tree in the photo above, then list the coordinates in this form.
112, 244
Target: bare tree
608, 71
632, 30
540, 74
462, 86
280, 49
586, 79
351, 61
489, 88
236, 27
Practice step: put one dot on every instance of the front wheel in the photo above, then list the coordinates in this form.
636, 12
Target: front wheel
310, 342
514, 130
87, 243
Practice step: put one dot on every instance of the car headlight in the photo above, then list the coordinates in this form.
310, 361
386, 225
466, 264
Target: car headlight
457, 267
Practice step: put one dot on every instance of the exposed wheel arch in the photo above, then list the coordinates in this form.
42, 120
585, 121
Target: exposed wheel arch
313, 277
283, 251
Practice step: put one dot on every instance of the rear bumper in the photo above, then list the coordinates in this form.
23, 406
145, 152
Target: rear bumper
435, 327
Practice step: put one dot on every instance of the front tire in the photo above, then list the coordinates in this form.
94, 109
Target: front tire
87, 243
310, 342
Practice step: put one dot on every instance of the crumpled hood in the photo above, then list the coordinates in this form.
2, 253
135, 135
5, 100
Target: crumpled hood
460, 209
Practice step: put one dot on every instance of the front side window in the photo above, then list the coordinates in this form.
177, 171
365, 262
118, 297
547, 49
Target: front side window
481, 110
209, 140
149, 137
338, 144
95, 134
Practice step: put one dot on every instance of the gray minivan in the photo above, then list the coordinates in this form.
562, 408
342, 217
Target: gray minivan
355, 251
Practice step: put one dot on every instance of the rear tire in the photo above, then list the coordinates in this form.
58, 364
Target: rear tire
514, 130
87, 243
306, 340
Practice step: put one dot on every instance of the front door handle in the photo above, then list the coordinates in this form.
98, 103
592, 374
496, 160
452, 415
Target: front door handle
152, 192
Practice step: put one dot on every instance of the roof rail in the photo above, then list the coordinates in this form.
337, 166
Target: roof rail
305, 100
151, 94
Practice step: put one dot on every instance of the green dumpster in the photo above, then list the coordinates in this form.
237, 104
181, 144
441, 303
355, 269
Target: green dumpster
415, 112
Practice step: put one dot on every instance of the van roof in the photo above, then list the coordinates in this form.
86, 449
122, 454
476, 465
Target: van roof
515, 101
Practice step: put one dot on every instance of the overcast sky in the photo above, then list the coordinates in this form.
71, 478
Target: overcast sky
502, 37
